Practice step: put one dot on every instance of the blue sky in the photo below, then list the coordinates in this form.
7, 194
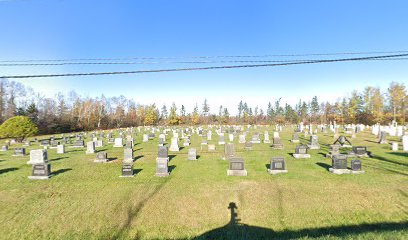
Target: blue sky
46, 29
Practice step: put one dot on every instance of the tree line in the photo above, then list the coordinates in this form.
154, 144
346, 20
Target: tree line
72, 112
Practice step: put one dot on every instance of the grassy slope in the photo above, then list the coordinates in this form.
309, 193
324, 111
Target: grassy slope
88, 200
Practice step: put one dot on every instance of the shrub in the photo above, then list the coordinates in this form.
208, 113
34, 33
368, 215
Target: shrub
19, 127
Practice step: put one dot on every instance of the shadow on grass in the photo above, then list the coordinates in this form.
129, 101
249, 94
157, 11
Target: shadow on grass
324, 165
112, 159
268, 165
137, 149
6, 170
389, 161
56, 159
137, 158
101, 150
61, 171
401, 154
371, 141
385, 169
171, 168
133, 212
137, 170
171, 157
236, 230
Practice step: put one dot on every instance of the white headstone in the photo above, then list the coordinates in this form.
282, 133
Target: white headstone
60, 149
90, 147
174, 145
405, 143
118, 142
394, 146
39, 156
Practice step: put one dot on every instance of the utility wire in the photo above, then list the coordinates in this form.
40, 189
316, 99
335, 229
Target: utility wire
203, 57
165, 62
210, 67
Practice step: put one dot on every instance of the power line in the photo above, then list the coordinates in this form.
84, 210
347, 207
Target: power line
165, 62
210, 67
205, 57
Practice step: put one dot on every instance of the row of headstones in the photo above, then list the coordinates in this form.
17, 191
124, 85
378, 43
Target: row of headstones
394, 145
41, 168
278, 165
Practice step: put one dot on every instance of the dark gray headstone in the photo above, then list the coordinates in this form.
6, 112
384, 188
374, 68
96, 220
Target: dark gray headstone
339, 161
356, 165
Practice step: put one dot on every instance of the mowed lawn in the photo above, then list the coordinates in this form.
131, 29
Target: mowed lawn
86, 200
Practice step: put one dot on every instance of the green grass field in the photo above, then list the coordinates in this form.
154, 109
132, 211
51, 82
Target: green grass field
86, 200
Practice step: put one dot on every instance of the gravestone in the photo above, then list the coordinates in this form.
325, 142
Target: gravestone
204, 142
151, 136
314, 144
129, 144
211, 147
98, 143
231, 137
90, 147
339, 164
266, 137
162, 160
162, 136
127, 170
383, 138
4, 148
128, 155
60, 149
359, 151
342, 140
79, 144
45, 142
118, 142
19, 152
301, 151
277, 143
38, 156
255, 138
394, 146
248, 146
174, 145
237, 167
295, 137
161, 142
54, 144
101, 157
192, 154
221, 140
41, 169
111, 140
209, 136
277, 165
229, 151
163, 152
186, 142
241, 138
356, 166
405, 143
334, 150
